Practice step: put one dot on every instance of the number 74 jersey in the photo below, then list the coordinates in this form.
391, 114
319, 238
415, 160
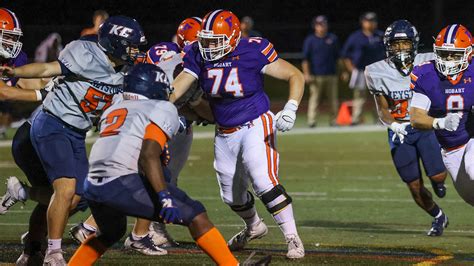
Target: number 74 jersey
439, 95
234, 84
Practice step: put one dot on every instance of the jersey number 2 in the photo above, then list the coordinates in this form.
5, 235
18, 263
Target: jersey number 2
114, 121
232, 84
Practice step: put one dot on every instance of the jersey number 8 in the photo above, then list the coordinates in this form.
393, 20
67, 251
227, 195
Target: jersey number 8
455, 102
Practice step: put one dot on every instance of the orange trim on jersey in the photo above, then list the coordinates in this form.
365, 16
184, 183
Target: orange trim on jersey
412, 86
154, 132
413, 77
273, 56
267, 49
454, 148
455, 81
273, 148
267, 145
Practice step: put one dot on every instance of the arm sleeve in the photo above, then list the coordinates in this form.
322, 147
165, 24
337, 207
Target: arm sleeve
191, 63
165, 116
371, 86
420, 101
415, 83
155, 133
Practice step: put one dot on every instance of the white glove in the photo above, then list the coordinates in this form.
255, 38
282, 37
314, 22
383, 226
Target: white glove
450, 122
285, 119
399, 130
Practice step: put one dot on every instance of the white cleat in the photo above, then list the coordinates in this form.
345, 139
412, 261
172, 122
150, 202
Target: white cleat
160, 236
12, 195
22, 260
54, 258
248, 234
25, 259
145, 246
295, 247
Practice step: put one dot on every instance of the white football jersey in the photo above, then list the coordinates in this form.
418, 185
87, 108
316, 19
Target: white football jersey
122, 129
384, 79
79, 97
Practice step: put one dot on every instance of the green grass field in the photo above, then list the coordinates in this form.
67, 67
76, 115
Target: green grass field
350, 206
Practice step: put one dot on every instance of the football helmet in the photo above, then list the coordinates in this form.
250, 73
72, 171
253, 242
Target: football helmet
10, 33
219, 34
161, 51
453, 49
146, 81
401, 41
188, 30
120, 37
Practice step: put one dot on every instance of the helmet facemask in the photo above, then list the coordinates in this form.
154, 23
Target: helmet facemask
401, 52
450, 60
215, 46
10, 43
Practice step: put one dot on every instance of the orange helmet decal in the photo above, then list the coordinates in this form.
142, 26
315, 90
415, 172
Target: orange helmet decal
221, 29
188, 30
10, 33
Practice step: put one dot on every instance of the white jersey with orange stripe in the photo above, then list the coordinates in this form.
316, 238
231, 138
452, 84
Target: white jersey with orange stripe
122, 129
384, 79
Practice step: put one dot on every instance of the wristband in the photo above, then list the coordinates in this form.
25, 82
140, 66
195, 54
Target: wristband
39, 97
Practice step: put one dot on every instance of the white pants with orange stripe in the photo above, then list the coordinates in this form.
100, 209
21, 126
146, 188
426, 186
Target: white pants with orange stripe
248, 154
460, 165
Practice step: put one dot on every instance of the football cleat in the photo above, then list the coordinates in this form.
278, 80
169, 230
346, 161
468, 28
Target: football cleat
160, 236
144, 245
12, 195
260, 262
295, 247
79, 233
241, 239
54, 258
439, 189
25, 259
438, 225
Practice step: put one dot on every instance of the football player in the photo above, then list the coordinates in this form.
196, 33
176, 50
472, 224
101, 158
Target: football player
126, 176
230, 71
388, 80
443, 99
58, 131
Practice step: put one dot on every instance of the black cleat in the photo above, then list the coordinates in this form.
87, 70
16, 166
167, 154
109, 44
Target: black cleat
439, 189
438, 225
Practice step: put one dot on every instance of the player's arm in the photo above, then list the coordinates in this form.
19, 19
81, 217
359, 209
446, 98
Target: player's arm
283, 70
181, 84
420, 118
34, 70
383, 110
10, 93
32, 84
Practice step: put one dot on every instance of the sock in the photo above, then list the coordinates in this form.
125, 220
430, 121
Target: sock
286, 221
89, 227
213, 243
250, 217
23, 194
88, 253
54, 244
137, 237
435, 211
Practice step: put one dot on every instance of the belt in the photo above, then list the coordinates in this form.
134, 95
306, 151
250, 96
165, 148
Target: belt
230, 130
454, 148
73, 128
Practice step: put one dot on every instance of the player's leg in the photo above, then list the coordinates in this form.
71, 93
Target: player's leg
313, 101
139, 239
460, 167
358, 105
406, 160
261, 160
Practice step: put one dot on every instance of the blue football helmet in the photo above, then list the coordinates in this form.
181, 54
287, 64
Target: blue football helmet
146, 80
401, 58
118, 35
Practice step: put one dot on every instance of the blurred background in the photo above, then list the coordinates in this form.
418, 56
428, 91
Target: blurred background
49, 25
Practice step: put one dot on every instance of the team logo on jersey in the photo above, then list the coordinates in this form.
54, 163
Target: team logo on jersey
467, 80
121, 31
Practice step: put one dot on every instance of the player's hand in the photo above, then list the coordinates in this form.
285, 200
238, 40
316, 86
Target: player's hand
169, 211
285, 119
450, 122
7, 71
399, 130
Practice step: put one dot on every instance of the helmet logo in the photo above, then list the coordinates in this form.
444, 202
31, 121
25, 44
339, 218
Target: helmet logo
186, 26
120, 31
229, 21
161, 77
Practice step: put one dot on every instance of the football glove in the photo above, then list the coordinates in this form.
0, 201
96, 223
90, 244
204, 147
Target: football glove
285, 119
450, 122
399, 130
169, 212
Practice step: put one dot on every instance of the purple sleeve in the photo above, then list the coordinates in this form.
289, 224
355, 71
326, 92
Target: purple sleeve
21, 59
267, 53
415, 80
191, 60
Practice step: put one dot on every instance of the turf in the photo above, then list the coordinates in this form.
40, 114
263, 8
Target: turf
350, 206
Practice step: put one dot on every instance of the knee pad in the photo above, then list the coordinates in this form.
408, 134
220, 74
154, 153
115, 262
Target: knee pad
245, 207
276, 199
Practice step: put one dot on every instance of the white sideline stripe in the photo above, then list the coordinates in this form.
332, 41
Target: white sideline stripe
302, 227
296, 131
381, 190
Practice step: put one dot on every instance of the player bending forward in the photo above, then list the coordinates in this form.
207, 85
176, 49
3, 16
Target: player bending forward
443, 99
230, 71
126, 175
388, 80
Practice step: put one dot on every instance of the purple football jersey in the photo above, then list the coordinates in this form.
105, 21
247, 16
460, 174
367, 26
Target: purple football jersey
20, 60
447, 96
153, 55
234, 84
